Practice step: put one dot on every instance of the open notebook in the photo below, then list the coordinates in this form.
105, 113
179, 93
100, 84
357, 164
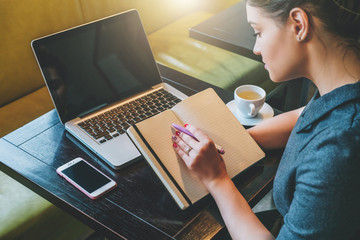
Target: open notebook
208, 112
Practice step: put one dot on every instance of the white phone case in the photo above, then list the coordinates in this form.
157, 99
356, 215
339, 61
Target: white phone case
93, 195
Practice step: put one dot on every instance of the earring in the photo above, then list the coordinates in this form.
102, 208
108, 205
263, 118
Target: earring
298, 38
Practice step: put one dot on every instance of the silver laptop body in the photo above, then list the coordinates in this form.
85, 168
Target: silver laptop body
98, 68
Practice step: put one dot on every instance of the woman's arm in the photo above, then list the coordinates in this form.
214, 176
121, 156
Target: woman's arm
240, 220
207, 164
204, 160
274, 133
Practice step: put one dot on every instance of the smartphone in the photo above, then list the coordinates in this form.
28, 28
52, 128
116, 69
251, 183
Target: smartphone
86, 178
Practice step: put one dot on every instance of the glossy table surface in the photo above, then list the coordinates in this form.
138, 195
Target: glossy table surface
229, 30
140, 207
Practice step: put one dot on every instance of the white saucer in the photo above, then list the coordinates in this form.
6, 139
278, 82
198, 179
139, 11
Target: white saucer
265, 112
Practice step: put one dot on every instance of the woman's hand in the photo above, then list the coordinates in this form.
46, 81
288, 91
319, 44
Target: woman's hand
201, 156
203, 159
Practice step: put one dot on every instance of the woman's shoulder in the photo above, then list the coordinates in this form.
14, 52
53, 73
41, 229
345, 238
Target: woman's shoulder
344, 117
335, 136
338, 109
335, 148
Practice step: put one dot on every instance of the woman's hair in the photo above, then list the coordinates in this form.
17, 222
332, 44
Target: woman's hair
341, 18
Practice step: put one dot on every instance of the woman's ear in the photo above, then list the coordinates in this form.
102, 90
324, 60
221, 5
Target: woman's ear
300, 23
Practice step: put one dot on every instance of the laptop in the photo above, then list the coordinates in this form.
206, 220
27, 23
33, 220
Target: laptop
102, 77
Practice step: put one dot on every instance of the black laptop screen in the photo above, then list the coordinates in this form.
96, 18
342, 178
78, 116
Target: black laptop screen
91, 66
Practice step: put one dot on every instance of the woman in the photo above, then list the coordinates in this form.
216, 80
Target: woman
317, 185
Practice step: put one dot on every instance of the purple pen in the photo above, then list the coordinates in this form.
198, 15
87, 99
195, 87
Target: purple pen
184, 130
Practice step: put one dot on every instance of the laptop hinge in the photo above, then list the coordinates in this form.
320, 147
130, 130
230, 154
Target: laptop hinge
92, 110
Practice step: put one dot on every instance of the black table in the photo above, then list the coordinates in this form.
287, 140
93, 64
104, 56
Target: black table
140, 207
229, 30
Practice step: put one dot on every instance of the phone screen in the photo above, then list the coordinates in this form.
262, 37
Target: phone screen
86, 176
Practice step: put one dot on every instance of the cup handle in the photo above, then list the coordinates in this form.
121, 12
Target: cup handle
252, 112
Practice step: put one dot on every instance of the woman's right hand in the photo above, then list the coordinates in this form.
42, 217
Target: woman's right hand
201, 157
204, 160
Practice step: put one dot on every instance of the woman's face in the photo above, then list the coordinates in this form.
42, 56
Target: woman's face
277, 45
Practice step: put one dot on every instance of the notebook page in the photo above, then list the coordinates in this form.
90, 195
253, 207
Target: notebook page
208, 112
157, 132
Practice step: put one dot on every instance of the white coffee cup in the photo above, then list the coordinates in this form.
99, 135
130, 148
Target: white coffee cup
249, 99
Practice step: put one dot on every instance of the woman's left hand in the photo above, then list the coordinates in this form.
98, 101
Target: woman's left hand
201, 156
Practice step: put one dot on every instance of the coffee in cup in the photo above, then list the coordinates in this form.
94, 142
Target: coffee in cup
249, 99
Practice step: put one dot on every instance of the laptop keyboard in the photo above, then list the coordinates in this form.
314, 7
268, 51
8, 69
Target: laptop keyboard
114, 122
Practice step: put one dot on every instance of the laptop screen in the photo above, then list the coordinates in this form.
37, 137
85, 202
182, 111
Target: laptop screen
97, 64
